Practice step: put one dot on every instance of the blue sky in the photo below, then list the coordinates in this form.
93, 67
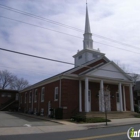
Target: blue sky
115, 19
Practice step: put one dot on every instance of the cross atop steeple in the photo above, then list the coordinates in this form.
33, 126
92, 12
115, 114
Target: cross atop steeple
88, 42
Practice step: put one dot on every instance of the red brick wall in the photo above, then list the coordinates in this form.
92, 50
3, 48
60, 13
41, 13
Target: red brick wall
89, 66
127, 97
6, 99
49, 96
70, 97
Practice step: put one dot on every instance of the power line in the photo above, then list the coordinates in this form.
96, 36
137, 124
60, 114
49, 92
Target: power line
39, 17
61, 24
30, 55
65, 33
36, 56
40, 27
115, 47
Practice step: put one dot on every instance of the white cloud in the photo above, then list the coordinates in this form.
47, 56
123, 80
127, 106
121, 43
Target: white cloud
114, 19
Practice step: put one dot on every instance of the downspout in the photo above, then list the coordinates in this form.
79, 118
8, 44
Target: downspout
60, 92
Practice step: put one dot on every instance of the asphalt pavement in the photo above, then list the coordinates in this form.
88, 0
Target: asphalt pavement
18, 126
107, 133
13, 119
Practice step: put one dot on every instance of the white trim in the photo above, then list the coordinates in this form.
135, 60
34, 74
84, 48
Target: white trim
80, 96
25, 97
131, 98
138, 102
106, 79
88, 50
42, 94
120, 96
138, 93
30, 96
89, 100
56, 94
124, 98
111, 62
86, 95
21, 99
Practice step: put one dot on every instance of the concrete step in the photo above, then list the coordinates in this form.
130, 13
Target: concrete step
110, 115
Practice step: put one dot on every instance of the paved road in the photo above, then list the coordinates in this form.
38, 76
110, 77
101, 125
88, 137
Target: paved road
11, 119
110, 133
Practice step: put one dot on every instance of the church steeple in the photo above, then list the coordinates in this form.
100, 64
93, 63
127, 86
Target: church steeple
88, 42
87, 53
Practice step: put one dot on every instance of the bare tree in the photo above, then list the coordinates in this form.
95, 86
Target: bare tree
104, 101
19, 84
6, 78
124, 67
10, 81
135, 77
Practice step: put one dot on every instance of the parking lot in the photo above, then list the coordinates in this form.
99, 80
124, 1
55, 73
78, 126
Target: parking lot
13, 119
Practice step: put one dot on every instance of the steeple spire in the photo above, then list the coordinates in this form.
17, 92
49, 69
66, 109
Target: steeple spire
88, 42
87, 25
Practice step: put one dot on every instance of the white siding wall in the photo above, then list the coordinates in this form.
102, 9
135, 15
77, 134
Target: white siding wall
81, 60
109, 71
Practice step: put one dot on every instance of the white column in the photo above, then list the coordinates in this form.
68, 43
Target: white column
86, 95
131, 98
80, 97
120, 96
102, 96
124, 98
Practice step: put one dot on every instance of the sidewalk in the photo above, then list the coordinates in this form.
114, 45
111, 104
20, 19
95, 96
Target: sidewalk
67, 126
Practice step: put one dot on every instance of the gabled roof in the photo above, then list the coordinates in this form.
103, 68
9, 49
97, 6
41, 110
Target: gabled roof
70, 71
110, 70
88, 65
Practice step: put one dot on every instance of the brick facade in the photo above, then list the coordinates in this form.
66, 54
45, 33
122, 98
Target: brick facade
70, 97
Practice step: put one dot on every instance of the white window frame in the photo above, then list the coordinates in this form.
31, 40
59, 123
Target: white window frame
2, 95
42, 94
35, 95
138, 93
25, 98
56, 94
21, 99
30, 97
9, 95
80, 56
138, 102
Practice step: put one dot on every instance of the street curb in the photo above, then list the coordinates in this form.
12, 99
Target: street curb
110, 125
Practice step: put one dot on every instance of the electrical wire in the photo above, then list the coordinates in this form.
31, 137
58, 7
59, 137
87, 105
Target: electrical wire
36, 56
61, 24
65, 33
30, 55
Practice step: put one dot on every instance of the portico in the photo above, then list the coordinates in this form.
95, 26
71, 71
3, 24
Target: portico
120, 100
